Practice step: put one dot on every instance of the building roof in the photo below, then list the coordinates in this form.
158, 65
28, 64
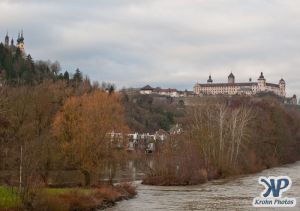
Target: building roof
231, 75
157, 89
228, 84
236, 84
148, 87
281, 81
247, 84
273, 85
261, 76
162, 132
209, 79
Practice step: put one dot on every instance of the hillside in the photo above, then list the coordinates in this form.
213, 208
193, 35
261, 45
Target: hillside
147, 113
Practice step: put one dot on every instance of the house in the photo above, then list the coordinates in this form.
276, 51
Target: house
146, 90
161, 135
176, 130
169, 92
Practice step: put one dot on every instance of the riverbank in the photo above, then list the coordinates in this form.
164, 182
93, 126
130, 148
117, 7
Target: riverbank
68, 198
234, 193
205, 177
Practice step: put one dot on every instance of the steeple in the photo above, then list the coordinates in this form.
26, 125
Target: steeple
6, 40
22, 37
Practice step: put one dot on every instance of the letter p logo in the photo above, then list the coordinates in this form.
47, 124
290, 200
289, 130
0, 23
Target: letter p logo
275, 185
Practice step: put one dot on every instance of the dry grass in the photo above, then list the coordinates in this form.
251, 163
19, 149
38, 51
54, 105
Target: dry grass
76, 199
60, 199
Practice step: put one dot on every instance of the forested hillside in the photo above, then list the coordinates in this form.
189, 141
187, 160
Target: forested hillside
19, 69
145, 114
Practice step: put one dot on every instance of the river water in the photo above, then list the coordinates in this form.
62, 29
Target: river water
225, 194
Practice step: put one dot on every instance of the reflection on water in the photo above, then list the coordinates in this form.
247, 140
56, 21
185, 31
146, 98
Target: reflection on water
228, 194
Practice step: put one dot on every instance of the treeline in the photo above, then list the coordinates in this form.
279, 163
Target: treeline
19, 69
226, 137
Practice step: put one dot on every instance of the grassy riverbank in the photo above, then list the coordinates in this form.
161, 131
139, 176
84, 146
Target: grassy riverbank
68, 198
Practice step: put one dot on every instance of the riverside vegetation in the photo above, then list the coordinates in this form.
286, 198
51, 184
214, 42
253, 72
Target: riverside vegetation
228, 136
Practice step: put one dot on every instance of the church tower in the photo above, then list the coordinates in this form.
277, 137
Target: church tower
231, 78
6, 43
20, 42
261, 81
282, 87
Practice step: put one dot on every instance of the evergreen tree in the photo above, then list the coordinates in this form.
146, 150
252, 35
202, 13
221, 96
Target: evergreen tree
66, 76
60, 76
77, 77
30, 77
111, 89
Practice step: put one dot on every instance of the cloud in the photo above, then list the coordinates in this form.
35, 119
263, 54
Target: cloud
170, 43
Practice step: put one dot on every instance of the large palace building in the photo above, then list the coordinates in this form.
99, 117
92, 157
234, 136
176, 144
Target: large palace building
232, 88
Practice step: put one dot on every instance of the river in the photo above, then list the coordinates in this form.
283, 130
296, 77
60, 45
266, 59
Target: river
226, 194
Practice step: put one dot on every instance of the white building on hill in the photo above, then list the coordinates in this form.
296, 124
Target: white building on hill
232, 88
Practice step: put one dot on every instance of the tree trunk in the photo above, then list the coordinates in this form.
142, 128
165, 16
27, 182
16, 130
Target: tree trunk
21, 167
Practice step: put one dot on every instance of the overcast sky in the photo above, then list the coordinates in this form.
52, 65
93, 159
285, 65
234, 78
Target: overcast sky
167, 43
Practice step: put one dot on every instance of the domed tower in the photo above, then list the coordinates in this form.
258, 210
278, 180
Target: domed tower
6, 43
261, 82
231, 79
282, 88
209, 81
20, 42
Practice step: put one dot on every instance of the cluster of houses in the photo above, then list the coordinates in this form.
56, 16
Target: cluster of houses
145, 142
148, 90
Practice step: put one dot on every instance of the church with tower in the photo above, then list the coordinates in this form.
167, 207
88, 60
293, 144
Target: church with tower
246, 88
10, 44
